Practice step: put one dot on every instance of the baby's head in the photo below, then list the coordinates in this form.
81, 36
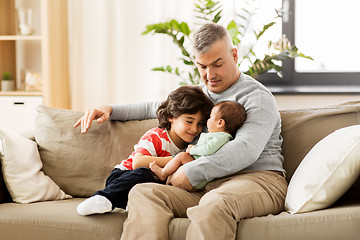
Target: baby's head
184, 100
226, 116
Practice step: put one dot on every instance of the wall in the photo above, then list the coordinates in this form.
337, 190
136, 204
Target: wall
312, 101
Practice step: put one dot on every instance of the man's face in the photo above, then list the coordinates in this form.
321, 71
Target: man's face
218, 66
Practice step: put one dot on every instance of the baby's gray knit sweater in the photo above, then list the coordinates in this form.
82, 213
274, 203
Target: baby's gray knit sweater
257, 144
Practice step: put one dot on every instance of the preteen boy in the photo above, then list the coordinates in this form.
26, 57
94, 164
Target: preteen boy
181, 118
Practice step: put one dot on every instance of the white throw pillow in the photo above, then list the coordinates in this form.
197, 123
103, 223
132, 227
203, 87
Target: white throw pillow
21, 167
326, 172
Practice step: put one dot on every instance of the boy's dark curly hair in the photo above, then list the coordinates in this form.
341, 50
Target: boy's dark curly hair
185, 99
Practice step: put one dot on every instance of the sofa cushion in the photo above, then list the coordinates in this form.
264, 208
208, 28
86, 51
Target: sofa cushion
326, 172
341, 222
4, 193
80, 163
21, 167
58, 220
303, 128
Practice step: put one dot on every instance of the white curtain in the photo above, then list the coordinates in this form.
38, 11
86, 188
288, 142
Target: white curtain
110, 61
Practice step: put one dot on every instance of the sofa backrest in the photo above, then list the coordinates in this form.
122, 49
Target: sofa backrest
80, 163
303, 128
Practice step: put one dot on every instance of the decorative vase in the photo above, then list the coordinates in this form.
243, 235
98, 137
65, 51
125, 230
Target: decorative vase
7, 85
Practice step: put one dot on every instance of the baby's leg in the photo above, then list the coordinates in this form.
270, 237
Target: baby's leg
170, 167
158, 171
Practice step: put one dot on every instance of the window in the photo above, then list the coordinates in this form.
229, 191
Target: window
326, 30
253, 15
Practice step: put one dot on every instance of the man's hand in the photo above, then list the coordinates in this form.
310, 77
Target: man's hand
179, 179
102, 114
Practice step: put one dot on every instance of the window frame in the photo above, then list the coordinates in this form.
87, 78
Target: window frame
337, 82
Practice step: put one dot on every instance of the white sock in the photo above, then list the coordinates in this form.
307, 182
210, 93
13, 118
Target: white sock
93, 205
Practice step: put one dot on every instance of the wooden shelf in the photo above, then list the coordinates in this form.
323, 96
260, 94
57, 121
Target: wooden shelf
44, 52
19, 37
20, 93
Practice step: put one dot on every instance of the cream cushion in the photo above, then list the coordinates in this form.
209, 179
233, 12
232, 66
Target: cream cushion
21, 167
326, 172
303, 128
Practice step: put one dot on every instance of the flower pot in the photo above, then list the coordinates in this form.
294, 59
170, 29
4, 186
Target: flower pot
7, 85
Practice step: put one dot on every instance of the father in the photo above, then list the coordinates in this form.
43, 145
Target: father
247, 172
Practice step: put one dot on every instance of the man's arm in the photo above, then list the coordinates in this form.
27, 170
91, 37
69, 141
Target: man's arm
179, 179
122, 112
134, 111
245, 149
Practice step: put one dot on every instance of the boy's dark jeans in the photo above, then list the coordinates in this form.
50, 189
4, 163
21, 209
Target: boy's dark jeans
120, 182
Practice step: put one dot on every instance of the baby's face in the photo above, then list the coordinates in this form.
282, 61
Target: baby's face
212, 122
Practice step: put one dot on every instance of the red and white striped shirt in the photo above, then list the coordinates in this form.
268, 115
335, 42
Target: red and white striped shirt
156, 142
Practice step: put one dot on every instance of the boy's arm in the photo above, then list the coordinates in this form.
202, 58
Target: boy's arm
142, 160
211, 144
150, 148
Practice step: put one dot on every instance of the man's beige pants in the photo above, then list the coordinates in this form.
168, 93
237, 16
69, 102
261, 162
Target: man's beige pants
214, 211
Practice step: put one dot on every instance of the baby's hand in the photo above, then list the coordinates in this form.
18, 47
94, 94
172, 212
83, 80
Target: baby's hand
189, 148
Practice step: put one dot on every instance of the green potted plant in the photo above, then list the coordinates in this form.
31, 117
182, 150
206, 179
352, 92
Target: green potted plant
7, 82
250, 63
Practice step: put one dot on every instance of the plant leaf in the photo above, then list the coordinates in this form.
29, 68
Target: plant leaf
185, 28
234, 32
168, 68
158, 69
217, 17
266, 27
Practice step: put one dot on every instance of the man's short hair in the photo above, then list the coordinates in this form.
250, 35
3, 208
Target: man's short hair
207, 35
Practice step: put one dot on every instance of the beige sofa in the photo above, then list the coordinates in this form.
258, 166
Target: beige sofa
79, 164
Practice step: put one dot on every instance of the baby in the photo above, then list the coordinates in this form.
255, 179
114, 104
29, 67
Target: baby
225, 119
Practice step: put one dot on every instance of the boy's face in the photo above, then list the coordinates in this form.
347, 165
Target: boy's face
185, 128
212, 122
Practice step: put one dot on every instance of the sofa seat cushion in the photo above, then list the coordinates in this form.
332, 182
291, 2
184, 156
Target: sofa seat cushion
334, 223
57, 220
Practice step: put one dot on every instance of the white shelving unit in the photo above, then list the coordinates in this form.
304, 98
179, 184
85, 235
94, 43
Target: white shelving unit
22, 53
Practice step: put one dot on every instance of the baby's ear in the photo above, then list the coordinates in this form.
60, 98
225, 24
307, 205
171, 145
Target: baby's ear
221, 123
